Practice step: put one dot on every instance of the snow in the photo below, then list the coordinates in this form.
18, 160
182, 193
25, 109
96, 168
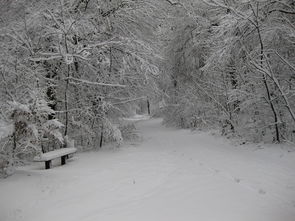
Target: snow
136, 118
171, 175
5, 129
55, 154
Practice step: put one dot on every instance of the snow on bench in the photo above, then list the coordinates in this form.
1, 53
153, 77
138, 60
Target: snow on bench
47, 157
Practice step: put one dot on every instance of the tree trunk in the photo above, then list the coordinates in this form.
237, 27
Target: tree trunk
101, 136
66, 101
148, 107
269, 97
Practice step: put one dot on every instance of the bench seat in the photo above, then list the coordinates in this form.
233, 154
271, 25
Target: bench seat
47, 157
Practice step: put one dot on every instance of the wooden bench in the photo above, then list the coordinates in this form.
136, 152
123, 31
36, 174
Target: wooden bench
49, 156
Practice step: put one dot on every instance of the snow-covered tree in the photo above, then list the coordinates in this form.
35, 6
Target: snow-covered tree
243, 77
85, 62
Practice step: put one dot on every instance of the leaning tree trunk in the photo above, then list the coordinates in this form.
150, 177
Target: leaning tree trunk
264, 77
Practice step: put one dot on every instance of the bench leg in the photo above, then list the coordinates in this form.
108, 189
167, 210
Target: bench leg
47, 164
63, 160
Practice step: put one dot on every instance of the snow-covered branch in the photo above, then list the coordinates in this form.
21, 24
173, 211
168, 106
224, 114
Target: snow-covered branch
95, 83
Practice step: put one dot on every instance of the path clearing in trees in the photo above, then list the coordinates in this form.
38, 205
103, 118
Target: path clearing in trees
171, 175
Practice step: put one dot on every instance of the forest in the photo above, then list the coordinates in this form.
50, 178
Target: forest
71, 70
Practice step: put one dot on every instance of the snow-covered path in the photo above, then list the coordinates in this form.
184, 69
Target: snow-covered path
171, 175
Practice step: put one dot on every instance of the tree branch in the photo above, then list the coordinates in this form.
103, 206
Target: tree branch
95, 83
173, 3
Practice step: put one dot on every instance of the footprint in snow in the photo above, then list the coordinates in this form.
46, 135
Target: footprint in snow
46, 190
237, 180
17, 214
261, 191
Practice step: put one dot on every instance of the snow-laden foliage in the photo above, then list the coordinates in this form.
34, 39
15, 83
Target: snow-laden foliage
236, 68
70, 69
27, 126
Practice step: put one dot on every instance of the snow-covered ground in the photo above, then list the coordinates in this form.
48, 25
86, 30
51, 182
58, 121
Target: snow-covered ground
170, 175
